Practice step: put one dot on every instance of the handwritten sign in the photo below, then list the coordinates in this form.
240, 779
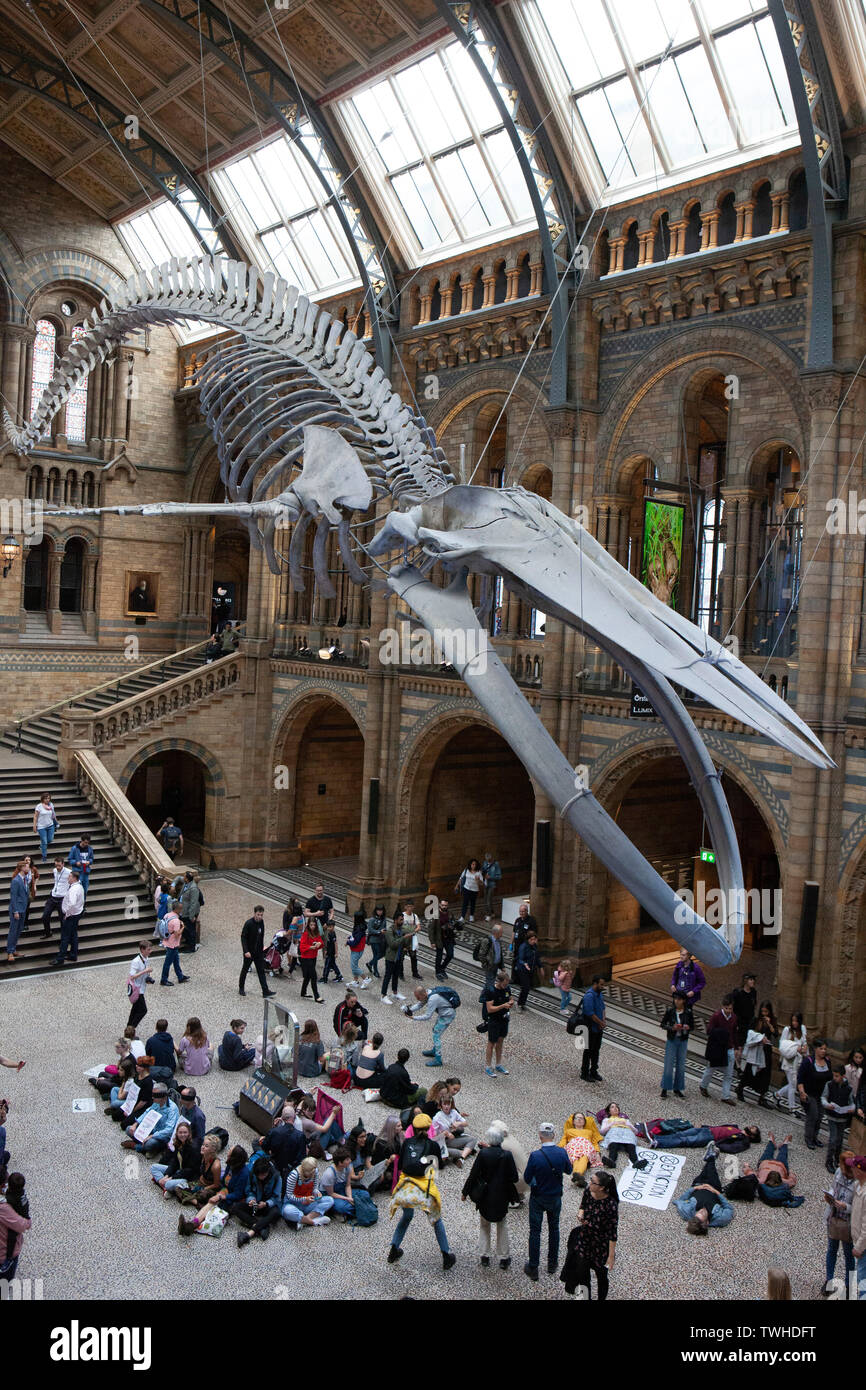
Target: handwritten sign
133, 1091
655, 1185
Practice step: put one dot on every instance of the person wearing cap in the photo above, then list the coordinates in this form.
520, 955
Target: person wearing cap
166, 1122
547, 1166
191, 1113
858, 1223
416, 1190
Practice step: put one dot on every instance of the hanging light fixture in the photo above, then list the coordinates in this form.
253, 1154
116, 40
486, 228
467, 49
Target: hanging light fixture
9, 550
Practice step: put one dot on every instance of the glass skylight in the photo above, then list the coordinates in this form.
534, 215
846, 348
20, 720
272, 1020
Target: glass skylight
661, 86
432, 139
278, 205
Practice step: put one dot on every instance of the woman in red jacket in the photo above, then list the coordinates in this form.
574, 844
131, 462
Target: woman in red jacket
309, 947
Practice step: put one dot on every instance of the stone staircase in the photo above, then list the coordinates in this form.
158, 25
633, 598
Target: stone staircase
38, 737
109, 928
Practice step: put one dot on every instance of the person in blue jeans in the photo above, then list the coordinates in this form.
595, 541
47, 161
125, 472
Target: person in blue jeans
678, 1022
544, 1172
416, 1190
80, 857
336, 1182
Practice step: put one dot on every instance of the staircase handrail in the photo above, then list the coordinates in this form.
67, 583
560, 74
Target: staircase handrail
95, 689
124, 824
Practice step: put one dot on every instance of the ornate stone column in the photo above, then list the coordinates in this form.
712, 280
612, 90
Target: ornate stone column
55, 560
710, 229
678, 239
780, 203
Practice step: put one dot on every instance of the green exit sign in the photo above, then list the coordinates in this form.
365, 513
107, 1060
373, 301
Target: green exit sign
708, 856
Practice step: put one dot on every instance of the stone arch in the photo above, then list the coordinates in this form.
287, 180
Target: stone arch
67, 267
497, 381
759, 455
296, 716
419, 756
213, 783
621, 765
729, 345
849, 953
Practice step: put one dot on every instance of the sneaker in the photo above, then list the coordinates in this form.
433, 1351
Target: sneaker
394, 1254
485, 1261
680, 1095
506, 1263
488, 1071
430, 1053
321, 1220
472, 919
365, 984
244, 1238
449, 1260
503, 1071
385, 999
434, 1062
664, 1095
183, 979
531, 1272
728, 1100
704, 1092
641, 1164
399, 995
552, 1266
269, 994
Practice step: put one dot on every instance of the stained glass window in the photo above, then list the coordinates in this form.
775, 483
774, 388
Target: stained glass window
76, 406
43, 361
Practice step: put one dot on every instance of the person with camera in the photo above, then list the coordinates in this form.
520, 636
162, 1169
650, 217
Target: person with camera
496, 1006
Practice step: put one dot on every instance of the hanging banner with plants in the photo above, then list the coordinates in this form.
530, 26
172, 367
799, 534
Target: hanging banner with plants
662, 549
661, 564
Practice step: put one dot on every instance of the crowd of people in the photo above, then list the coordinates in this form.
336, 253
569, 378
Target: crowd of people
315, 1166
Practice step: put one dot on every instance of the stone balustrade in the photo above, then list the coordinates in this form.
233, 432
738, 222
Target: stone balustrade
121, 820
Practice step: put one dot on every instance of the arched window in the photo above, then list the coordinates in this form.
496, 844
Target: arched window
631, 251
524, 279
43, 360
777, 587
76, 406
798, 206
88, 490
500, 288
436, 303
456, 296
478, 289
727, 220
712, 564
35, 482
762, 217
694, 230
662, 239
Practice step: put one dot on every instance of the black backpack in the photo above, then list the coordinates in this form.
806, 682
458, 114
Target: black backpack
221, 1134
575, 1020
448, 993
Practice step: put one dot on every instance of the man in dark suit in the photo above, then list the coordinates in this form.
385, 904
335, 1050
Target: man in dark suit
253, 947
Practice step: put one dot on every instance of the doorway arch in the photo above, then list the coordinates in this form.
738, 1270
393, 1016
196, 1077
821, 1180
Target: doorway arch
174, 782
465, 792
320, 750
654, 804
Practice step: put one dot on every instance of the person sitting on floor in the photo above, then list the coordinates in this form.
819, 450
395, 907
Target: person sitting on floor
581, 1139
619, 1135
261, 1205
371, 1063
396, 1088
166, 1116
183, 1163
284, 1144
305, 1204
772, 1181
336, 1182
702, 1205
449, 1131
315, 1134
204, 1188
231, 1191
232, 1054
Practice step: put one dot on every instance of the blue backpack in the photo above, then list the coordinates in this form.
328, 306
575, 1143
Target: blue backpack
365, 1208
448, 993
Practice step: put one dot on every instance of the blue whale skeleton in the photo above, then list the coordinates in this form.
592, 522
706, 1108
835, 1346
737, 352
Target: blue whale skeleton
309, 429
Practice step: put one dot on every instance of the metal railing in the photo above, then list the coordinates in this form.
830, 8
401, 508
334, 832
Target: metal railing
116, 681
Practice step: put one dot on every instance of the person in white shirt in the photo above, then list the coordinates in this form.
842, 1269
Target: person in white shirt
138, 978
44, 822
411, 927
54, 902
71, 909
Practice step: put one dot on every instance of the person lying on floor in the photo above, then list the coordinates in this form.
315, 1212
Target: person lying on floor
772, 1182
730, 1139
581, 1140
702, 1205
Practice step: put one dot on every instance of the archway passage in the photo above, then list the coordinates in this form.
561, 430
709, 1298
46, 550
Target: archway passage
172, 783
231, 565
36, 577
479, 797
660, 813
329, 787
71, 576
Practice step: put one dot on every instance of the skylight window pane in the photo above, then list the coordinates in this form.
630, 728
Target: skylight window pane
604, 134
719, 12
432, 103
703, 94
175, 230
280, 171
423, 207
314, 240
500, 153
473, 92
380, 111
746, 72
672, 113
632, 127
649, 27
257, 202
286, 261
583, 39
772, 53
468, 185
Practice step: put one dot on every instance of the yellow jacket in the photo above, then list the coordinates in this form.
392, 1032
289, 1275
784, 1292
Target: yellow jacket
589, 1131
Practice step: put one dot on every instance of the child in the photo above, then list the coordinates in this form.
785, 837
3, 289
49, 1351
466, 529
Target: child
330, 935
562, 978
837, 1101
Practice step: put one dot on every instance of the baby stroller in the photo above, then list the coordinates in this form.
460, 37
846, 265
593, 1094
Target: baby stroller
275, 952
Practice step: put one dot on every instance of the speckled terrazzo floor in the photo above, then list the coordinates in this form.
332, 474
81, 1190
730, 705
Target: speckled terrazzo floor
98, 1233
